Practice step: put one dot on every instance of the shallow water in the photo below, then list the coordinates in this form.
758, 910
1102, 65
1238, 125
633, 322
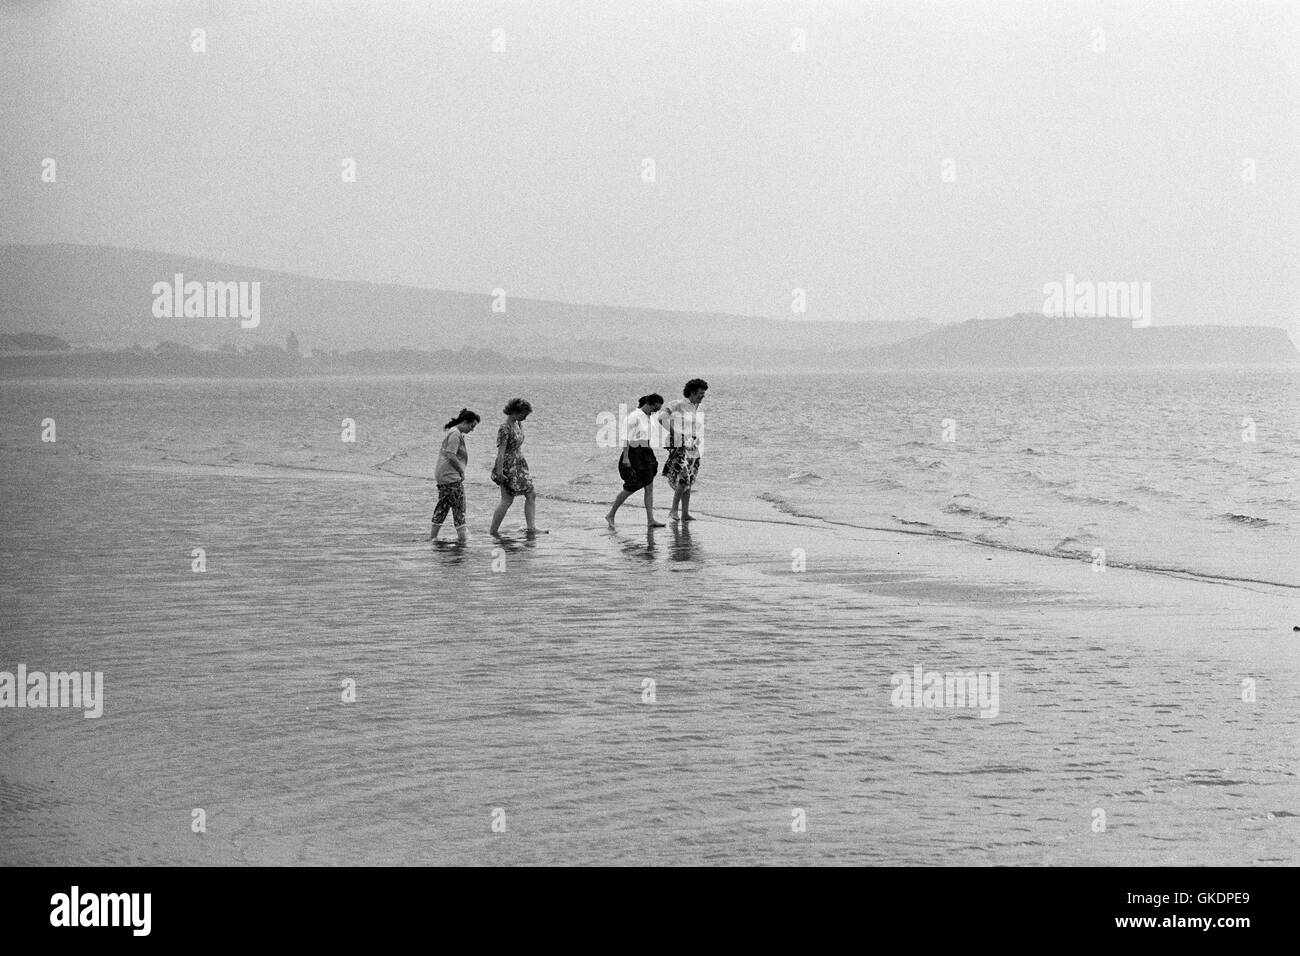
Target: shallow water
522, 688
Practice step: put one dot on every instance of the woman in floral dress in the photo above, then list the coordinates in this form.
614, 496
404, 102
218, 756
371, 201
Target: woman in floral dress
682, 419
511, 469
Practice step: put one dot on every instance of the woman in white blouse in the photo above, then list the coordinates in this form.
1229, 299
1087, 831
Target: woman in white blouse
637, 464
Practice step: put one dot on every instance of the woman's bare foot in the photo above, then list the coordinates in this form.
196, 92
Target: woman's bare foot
609, 520
533, 531
672, 516
655, 524
688, 517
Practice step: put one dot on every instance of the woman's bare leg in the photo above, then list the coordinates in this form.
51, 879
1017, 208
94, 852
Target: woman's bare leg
530, 512
686, 504
677, 500
613, 509
650, 508
507, 499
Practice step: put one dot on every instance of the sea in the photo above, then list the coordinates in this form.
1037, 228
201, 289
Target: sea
293, 673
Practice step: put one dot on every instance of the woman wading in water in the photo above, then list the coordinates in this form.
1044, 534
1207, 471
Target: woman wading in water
682, 420
450, 474
637, 465
511, 469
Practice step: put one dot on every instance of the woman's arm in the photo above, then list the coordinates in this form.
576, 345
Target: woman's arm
447, 456
627, 445
454, 456
450, 453
501, 450
665, 420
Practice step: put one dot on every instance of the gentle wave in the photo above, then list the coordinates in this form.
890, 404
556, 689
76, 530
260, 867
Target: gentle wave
1249, 521
1076, 546
1119, 503
956, 509
983, 541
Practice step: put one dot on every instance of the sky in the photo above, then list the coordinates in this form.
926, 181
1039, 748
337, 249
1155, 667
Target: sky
940, 160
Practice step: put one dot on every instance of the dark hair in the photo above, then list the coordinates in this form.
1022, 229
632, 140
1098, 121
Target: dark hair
693, 385
654, 398
464, 415
517, 405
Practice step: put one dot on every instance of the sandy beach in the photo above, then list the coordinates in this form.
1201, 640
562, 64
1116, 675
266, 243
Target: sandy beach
523, 690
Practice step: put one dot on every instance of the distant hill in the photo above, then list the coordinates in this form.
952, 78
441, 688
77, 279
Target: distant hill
1029, 341
102, 296
31, 342
171, 359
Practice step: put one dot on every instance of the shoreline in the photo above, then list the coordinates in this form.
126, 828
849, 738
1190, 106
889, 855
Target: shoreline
524, 688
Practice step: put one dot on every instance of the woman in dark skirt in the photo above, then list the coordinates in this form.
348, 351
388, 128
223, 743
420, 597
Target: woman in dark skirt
637, 466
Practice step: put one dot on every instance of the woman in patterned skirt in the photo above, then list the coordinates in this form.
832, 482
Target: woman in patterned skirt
683, 420
511, 469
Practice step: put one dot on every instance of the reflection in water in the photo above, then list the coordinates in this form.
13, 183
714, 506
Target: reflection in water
683, 549
451, 552
454, 553
513, 545
634, 549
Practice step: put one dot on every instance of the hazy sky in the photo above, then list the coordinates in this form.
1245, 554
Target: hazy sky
774, 169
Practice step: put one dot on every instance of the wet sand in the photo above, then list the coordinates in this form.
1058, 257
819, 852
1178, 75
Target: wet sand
522, 689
